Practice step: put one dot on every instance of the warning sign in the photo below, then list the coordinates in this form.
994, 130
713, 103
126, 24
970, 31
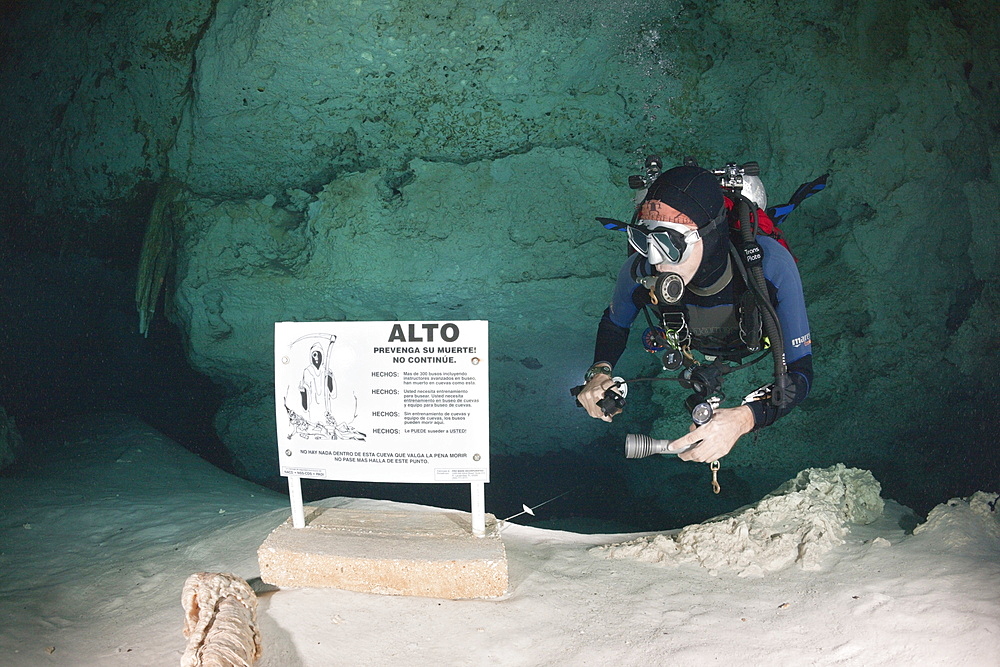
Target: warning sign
383, 401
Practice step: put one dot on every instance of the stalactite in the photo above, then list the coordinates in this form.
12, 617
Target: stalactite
157, 253
220, 621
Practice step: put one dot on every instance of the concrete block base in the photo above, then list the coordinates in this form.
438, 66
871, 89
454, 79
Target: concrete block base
429, 554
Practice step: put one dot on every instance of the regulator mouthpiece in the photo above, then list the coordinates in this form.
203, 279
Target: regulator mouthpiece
665, 288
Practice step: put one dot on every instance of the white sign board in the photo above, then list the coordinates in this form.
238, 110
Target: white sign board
383, 401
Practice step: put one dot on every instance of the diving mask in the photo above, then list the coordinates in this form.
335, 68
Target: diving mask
665, 242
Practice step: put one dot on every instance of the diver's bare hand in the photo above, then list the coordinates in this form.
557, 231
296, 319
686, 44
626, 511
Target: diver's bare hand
717, 436
592, 392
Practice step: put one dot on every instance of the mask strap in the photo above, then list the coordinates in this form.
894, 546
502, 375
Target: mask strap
718, 220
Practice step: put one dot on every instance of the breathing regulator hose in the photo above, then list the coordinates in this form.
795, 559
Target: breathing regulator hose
781, 393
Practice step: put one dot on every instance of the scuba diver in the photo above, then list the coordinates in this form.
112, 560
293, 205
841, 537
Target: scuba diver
708, 268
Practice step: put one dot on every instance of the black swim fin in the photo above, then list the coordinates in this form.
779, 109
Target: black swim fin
803, 192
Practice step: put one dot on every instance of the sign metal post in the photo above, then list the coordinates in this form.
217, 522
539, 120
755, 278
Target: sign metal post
295, 498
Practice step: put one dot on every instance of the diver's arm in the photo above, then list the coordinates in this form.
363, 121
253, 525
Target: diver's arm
717, 438
611, 341
612, 336
612, 331
764, 411
608, 349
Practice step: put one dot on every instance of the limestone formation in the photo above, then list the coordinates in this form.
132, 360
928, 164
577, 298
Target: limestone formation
798, 523
220, 621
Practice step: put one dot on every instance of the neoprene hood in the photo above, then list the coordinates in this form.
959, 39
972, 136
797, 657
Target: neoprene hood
693, 191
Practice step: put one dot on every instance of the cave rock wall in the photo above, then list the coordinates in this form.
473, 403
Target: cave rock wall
512, 241
445, 159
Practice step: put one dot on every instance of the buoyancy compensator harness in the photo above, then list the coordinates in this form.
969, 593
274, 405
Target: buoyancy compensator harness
752, 265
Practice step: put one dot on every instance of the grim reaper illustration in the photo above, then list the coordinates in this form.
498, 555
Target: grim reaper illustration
320, 412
